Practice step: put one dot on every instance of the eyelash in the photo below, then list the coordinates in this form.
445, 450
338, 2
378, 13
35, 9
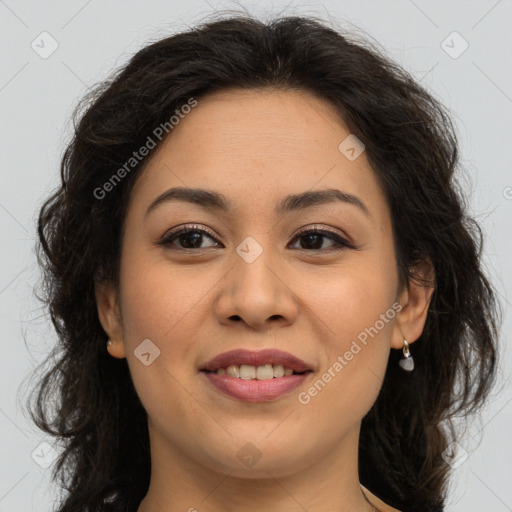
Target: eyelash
342, 244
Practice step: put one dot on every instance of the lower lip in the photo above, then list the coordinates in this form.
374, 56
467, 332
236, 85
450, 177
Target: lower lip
253, 390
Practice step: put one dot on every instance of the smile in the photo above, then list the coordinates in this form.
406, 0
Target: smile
254, 390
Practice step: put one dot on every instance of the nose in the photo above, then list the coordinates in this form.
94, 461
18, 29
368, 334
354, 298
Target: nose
257, 294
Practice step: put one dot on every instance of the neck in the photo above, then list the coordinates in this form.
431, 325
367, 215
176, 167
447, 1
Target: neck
327, 481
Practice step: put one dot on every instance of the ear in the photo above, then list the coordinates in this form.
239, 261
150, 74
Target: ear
109, 313
415, 300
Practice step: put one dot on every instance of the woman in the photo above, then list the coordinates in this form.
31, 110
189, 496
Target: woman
266, 287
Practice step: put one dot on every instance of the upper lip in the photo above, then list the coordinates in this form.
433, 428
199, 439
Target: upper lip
257, 358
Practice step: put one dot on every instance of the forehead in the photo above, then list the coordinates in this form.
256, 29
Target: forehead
257, 127
257, 145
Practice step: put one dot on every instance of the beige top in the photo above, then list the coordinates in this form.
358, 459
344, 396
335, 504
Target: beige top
379, 504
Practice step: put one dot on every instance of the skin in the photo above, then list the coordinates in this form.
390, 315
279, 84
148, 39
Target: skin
256, 147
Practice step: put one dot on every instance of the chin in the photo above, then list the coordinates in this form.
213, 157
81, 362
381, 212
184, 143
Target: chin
263, 459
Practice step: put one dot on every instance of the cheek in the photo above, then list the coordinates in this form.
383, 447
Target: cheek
356, 303
356, 317
158, 306
159, 298
160, 303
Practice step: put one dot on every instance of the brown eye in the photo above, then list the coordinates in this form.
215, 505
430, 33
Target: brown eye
313, 239
187, 238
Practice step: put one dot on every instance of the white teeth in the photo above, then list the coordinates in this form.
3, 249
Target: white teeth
265, 372
232, 370
248, 372
278, 370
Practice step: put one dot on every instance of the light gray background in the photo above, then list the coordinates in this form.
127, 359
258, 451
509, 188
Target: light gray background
36, 100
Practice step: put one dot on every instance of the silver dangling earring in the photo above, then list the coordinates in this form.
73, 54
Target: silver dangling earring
407, 362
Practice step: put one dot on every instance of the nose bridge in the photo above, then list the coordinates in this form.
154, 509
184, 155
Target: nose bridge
254, 262
256, 290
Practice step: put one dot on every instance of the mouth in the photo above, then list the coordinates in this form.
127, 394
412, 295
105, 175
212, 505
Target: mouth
261, 360
264, 372
256, 376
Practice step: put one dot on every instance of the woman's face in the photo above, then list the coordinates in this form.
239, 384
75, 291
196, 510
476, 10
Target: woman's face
246, 279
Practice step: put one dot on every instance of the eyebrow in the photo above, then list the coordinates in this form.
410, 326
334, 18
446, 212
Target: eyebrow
208, 199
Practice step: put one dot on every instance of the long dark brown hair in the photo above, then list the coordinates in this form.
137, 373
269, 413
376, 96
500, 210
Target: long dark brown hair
86, 398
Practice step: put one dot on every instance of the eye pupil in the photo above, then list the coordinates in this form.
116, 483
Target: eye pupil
195, 235
312, 238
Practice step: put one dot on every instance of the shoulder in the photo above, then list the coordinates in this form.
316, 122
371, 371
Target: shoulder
380, 505
376, 502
